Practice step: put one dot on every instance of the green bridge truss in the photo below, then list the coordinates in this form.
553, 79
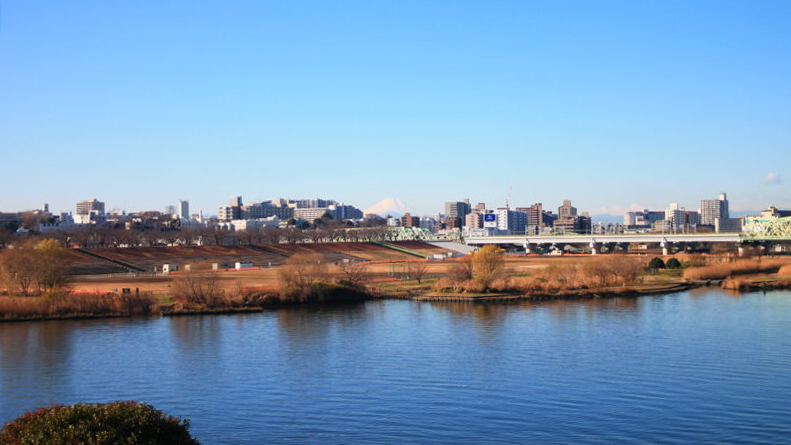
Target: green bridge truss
756, 229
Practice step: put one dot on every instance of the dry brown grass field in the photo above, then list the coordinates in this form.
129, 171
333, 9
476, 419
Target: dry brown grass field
268, 277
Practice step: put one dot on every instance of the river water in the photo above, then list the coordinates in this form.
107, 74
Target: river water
692, 367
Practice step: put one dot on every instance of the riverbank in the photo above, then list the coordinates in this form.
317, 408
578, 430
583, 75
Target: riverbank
68, 306
571, 294
72, 306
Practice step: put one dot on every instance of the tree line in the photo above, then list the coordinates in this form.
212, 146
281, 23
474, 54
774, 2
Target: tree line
102, 236
33, 267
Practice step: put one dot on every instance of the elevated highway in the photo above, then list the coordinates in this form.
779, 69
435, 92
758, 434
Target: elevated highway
595, 242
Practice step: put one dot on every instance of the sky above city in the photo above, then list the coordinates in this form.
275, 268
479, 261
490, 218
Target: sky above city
614, 105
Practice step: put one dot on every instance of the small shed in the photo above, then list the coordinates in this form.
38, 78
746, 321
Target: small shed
243, 265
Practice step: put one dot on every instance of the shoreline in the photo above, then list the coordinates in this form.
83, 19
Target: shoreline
575, 294
762, 283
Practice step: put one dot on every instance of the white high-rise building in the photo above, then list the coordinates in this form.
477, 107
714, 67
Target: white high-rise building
711, 209
675, 215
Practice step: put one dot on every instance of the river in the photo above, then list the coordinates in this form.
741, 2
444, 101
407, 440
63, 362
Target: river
692, 367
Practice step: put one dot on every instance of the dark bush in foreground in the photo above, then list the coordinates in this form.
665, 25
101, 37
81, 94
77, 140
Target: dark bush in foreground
656, 263
673, 263
125, 423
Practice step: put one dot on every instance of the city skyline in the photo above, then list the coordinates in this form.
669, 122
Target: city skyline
618, 105
708, 208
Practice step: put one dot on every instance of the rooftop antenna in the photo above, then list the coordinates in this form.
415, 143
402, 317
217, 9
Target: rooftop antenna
510, 190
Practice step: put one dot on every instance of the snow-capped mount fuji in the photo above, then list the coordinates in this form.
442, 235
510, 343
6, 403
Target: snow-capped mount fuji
388, 206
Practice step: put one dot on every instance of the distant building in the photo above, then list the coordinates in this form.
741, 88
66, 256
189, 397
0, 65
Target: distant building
474, 220
537, 217
427, 222
90, 206
773, 212
711, 209
343, 212
572, 224
248, 224
184, 210
642, 219
728, 225
311, 203
512, 220
566, 210
311, 214
228, 213
393, 222
691, 218
410, 221
265, 209
457, 209
676, 216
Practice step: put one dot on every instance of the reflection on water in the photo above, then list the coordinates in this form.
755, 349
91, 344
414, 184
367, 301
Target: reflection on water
36, 355
697, 366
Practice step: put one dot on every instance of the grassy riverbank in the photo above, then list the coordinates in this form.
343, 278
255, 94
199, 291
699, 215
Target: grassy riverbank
82, 306
305, 280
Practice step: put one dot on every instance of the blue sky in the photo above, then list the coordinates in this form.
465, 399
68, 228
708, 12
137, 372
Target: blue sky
609, 104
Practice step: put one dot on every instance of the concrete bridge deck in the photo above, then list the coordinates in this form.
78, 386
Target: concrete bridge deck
520, 240
595, 242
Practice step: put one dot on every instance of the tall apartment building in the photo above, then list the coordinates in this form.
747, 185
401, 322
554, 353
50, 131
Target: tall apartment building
711, 209
537, 217
676, 216
566, 210
184, 210
474, 220
90, 206
512, 220
343, 211
457, 209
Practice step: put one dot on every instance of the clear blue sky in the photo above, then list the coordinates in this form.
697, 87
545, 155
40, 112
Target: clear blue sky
610, 104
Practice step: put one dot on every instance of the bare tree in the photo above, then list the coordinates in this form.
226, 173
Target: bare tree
418, 270
354, 274
273, 235
293, 235
303, 270
197, 288
461, 271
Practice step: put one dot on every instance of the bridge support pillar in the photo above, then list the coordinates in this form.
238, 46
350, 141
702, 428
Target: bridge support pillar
595, 248
528, 248
666, 248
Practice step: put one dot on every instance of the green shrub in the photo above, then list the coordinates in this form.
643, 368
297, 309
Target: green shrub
673, 263
656, 263
123, 423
